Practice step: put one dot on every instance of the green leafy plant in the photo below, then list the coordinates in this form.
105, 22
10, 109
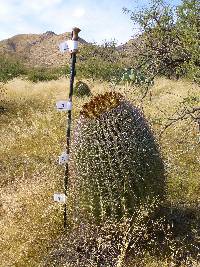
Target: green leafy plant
168, 42
10, 68
133, 76
100, 62
42, 74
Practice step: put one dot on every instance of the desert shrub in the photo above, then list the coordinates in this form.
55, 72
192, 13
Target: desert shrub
116, 157
10, 68
99, 70
133, 76
3, 93
45, 74
100, 62
81, 89
168, 42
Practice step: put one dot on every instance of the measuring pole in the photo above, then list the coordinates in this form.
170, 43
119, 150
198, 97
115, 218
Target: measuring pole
73, 51
63, 105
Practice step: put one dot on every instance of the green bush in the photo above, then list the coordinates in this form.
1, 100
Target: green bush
117, 160
100, 62
44, 74
168, 42
133, 76
81, 89
10, 68
98, 69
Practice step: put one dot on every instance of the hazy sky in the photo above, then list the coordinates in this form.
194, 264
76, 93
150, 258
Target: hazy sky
99, 20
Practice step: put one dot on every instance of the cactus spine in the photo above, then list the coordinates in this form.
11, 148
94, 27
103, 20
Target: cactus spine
117, 160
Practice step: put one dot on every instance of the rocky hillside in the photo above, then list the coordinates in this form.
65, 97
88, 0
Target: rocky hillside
38, 50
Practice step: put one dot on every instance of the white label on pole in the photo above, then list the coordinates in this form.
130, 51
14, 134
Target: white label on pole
69, 105
61, 198
61, 105
64, 105
63, 158
72, 45
64, 47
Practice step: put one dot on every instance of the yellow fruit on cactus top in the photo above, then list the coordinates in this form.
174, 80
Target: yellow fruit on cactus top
100, 104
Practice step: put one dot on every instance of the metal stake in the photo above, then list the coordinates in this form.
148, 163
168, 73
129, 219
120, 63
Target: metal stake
75, 32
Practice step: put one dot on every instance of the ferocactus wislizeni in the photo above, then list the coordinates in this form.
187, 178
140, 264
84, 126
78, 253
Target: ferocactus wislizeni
117, 161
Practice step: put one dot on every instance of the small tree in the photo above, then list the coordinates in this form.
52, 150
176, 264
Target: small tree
168, 41
100, 62
188, 31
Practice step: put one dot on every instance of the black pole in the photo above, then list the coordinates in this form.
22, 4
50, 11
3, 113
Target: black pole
68, 134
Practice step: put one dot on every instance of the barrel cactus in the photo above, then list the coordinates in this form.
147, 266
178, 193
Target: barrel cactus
117, 161
81, 89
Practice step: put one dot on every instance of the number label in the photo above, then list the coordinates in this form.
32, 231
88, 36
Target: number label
63, 158
61, 198
64, 105
64, 47
61, 105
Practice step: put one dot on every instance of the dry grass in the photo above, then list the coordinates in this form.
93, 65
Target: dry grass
33, 135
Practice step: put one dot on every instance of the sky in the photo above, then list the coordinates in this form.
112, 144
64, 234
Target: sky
99, 20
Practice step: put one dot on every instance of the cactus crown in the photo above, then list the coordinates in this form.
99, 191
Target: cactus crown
100, 104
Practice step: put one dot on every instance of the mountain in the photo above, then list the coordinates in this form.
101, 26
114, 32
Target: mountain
38, 50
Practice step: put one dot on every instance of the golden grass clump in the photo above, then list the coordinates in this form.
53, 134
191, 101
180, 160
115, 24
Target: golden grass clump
33, 135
